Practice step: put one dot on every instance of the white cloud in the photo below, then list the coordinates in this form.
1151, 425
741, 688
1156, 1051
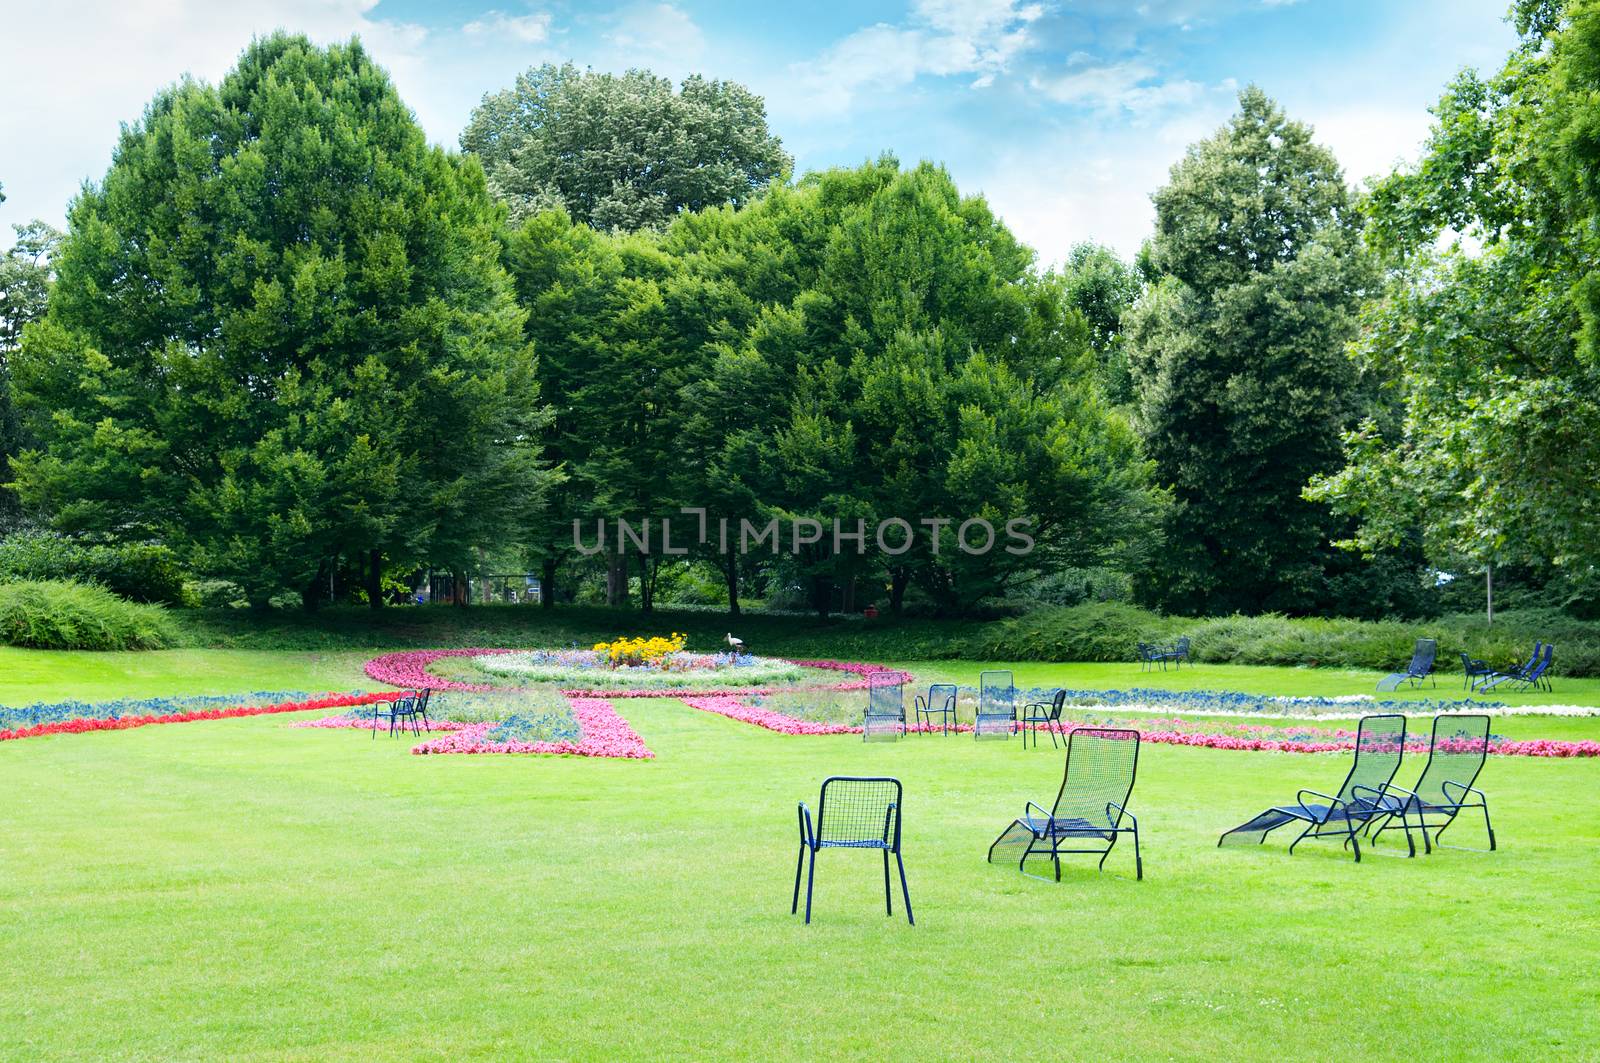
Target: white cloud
944, 38
1131, 85
661, 34
529, 29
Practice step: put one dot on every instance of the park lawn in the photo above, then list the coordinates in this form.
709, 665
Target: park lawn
246, 890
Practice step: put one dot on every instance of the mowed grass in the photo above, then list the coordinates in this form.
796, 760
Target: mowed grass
242, 889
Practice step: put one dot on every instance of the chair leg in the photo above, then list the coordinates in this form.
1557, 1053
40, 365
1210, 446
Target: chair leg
905, 894
888, 897
811, 874
799, 865
1138, 861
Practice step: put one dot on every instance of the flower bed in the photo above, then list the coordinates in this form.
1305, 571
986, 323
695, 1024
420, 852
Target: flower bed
123, 720
603, 734
681, 671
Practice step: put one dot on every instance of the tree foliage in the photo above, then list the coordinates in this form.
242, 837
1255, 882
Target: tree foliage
622, 152
281, 335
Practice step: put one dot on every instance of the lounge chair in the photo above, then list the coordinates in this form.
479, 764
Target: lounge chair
853, 813
1456, 754
1047, 713
1380, 743
1420, 668
886, 707
1531, 675
997, 705
1090, 807
941, 702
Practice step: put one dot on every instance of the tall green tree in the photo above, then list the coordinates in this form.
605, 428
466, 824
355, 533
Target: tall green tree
622, 151
1490, 348
1238, 354
25, 278
1102, 287
281, 335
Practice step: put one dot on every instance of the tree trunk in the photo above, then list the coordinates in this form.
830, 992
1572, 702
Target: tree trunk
730, 569
311, 593
898, 578
375, 579
616, 578
647, 587
822, 595
458, 588
547, 583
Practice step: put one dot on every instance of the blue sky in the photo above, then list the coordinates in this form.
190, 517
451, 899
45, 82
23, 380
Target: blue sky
1066, 114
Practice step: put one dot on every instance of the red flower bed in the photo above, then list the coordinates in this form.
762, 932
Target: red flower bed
330, 701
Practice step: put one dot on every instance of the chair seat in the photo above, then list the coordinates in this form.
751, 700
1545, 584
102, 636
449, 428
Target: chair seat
1067, 827
869, 843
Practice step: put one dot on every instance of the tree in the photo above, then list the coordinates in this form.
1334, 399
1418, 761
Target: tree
281, 336
1237, 351
622, 152
25, 279
1490, 349
1102, 287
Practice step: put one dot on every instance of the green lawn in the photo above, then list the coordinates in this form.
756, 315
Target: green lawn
246, 890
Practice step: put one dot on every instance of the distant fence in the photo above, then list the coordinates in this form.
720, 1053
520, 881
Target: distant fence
518, 588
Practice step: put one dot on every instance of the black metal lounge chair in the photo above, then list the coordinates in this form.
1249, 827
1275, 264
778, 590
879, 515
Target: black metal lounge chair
1178, 654
1047, 713
853, 813
1474, 672
1380, 743
997, 705
1150, 655
1531, 675
1420, 668
1102, 764
886, 707
941, 702
1456, 754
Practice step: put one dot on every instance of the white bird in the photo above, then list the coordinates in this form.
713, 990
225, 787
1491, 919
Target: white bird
737, 644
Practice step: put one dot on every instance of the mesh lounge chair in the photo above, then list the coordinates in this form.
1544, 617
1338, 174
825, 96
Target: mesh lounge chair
853, 813
1047, 713
1473, 672
886, 707
1178, 654
1090, 807
997, 706
941, 702
1456, 754
1380, 743
1531, 675
1420, 668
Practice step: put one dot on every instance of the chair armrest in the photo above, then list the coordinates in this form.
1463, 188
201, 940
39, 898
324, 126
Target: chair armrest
807, 837
1378, 793
1333, 802
1033, 807
1121, 812
1465, 790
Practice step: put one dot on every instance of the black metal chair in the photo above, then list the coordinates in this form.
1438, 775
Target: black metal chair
1456, 755
1380, 743
1087, 817
997, 705
853, 813
1150, 655
886, 707
941, 702
1474, 672
399, 710
1531, 675
1178, 654
1047, 713
1420, 668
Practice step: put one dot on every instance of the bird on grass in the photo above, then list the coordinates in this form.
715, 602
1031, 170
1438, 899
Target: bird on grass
737, 644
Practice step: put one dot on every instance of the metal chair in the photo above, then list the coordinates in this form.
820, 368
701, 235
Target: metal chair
1102, 765
886, 707
1150, 655
1474, 672
1420, 668
1456, 755
941, 702
1178, 654
398, 710
853, 813
1531, 675
997, 705
1043, 712
1380, 743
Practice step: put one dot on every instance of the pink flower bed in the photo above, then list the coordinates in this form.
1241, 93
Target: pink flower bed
365, 723
605, 734
410, 669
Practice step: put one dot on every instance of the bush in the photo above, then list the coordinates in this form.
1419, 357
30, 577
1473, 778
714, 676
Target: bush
1101, 631
141, 572
64, 615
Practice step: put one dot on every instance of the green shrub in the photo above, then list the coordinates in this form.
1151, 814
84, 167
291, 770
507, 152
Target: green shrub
64, 615
1100, 631
141, 572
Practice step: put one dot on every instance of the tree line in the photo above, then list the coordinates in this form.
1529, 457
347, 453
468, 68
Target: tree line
309, 353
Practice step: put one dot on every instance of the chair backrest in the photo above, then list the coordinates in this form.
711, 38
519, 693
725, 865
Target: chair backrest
996, 693
1380, 743
1422, 657
1182, 646
886, 694
1101, 765
1543, 663
859, 809
1057, 703
1467, 664
942, 696
422, 698
1455, 755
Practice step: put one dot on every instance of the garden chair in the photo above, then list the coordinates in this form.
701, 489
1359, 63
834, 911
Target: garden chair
997, 705
1531, 675
1474, 672
1456, 755
886, 707
1178, 654
941, 702
1380, 743
1047, 713
1420, 668
398, 711
853, 813
1150, 655
1090, 807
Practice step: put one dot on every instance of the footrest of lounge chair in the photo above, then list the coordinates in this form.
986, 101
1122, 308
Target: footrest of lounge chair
1255, 831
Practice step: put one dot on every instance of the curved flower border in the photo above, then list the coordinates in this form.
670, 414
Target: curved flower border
605, 734
82, 725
